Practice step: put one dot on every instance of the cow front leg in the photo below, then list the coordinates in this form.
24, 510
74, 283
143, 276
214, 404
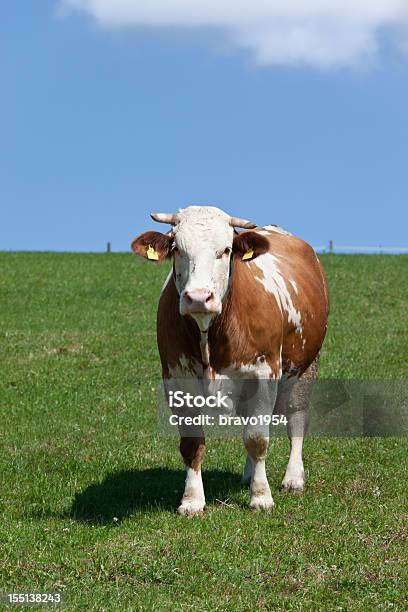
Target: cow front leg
256, 444
257, 403
193, 501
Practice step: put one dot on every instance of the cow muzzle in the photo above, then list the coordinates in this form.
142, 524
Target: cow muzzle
198, 301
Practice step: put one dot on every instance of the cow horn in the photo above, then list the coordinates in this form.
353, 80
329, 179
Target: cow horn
164, 217
238, 222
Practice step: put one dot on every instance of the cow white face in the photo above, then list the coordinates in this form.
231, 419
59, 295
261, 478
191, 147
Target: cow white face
201, 244
202, 250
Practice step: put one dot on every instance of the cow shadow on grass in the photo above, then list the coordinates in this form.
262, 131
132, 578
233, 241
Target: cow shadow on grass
122, 493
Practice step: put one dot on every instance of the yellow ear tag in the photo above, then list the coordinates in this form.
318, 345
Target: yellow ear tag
152, 254
248, 255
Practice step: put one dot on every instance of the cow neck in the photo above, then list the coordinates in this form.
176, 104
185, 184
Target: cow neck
221, 325
205, 354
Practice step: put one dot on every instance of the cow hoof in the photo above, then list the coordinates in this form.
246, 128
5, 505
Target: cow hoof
296, 485
191, 508
261, 503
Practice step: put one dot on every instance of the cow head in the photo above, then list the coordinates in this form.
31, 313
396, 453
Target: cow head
203, 246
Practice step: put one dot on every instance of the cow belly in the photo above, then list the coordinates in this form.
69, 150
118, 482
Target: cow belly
189, 367
260, 369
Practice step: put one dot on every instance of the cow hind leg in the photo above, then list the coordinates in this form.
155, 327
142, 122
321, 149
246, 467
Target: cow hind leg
248, 471
297, 414
193, 501
294, 479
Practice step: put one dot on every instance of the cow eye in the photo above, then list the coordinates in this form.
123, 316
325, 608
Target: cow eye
226, 251
175, 249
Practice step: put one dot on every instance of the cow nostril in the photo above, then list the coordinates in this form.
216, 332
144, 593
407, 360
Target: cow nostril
198, 299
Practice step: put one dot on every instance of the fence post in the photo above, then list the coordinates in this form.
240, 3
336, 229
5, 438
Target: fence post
108, 247
331, 246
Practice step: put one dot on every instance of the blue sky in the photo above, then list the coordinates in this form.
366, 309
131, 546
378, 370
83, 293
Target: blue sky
102, 125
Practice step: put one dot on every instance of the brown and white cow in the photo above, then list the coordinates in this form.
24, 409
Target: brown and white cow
252, 304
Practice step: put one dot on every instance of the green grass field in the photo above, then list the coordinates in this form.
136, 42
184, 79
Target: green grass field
88, 489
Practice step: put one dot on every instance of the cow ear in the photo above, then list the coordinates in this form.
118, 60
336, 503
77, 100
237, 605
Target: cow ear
248, 245
153, 245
